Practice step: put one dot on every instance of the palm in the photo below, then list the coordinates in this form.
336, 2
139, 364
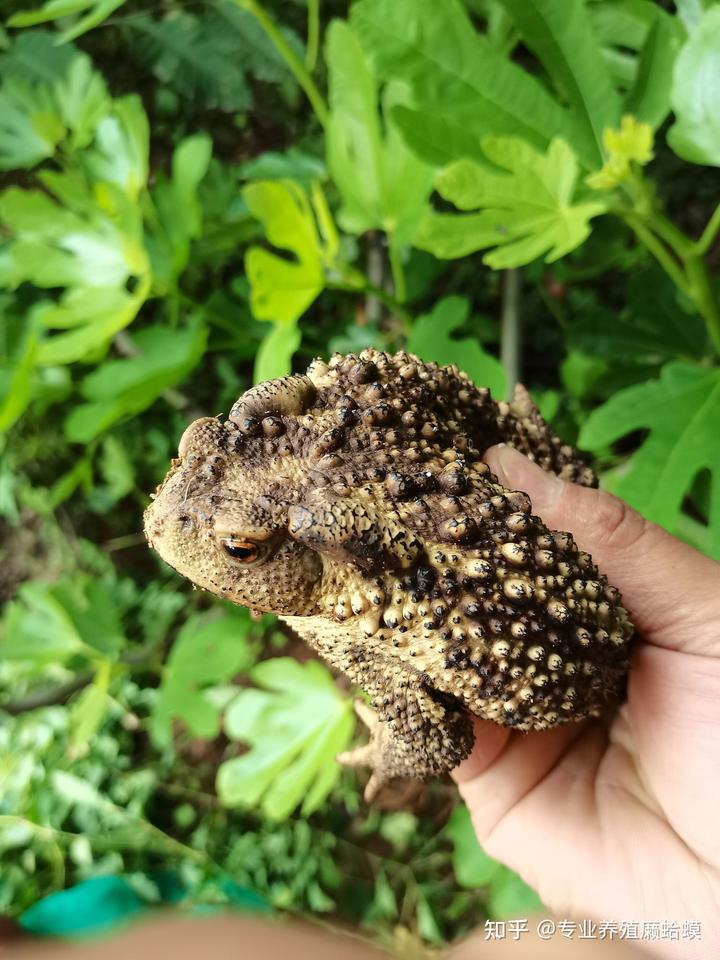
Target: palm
621, 821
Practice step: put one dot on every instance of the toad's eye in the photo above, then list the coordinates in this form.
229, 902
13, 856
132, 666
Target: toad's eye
244, 551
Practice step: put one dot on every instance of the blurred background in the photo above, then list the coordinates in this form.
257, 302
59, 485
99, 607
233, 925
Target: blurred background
199, 195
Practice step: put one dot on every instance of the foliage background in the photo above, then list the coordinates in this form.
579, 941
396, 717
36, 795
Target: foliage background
198, 195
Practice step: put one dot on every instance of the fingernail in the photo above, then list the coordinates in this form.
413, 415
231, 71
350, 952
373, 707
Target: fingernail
521, 473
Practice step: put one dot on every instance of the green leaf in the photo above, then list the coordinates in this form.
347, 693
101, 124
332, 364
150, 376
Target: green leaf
119, 388
295, 726
559, 32
82, 101
293, 164
473, 868
649, 98
208, 650
88, 241
95, 314
682, 411
61, 246
91, 607
381, 183
37, 116
274, 355
93, 906
206, 57
84, 231
651, 328
439, 138
116, 469
466, 86
196, 55
178, 209
121, 150
510, 896
691, 12
695, 135
384, 904
431, 339
30, 127
35, 57
427, 921
622, 23
16, 369
52, 622
528, 209
283, 289
36, 626
88, 710
97, 12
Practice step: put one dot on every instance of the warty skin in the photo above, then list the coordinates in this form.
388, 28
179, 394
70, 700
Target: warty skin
353, 503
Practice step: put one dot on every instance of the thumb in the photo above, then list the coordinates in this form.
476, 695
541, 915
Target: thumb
670, 589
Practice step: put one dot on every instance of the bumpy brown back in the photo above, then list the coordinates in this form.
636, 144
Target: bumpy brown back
457, 580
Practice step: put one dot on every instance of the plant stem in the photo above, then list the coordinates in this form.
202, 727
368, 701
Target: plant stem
375, 275
708, 235
294, 63
703, 296
674, 237
510, 329
683, 262
659, 251
398, 273
313, 34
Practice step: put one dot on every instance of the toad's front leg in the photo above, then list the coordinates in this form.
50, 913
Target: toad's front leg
416, 734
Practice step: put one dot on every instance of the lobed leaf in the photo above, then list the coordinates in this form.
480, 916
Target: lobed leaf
560, 33
30, 127
275, 352
381, 182
282, 289
295, 726
52, 622
695, 135
207, 651
119, 388
121, 149
35, 57
457, 75
431, 339
84, 231
82, 101
179, 214
526, 200
649, 98
681, 411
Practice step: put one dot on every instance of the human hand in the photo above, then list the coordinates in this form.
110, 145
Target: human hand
618, 821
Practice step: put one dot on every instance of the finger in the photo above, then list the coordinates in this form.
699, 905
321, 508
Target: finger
493, 787
671, 590
490, 740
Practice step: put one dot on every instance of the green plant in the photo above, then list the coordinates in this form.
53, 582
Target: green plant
527, 188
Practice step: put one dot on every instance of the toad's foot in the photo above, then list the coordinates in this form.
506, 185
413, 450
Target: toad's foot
376, 753
423, 740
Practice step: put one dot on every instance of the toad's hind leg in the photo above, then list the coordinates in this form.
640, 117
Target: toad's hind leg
416, 734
